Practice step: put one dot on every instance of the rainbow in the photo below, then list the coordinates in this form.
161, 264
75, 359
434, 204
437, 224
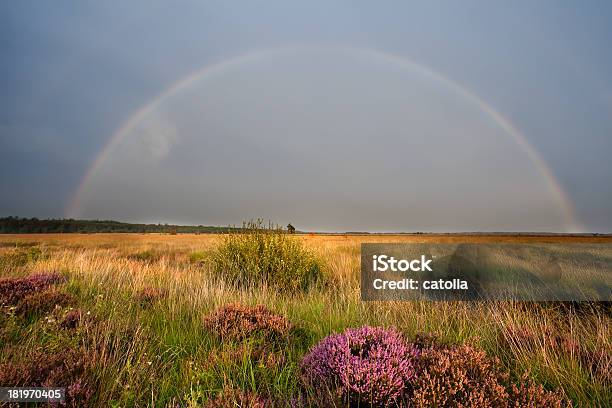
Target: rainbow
73, 209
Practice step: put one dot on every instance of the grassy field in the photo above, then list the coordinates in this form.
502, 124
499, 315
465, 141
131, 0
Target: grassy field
143, 299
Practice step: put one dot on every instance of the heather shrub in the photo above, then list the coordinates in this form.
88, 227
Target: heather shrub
529, 394
61, 368
42, 302
463, 376
236, 322
12, 290
365, 367
259, 254
458, 376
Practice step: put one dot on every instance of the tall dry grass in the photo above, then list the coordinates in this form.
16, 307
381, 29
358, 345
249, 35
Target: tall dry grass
159, 353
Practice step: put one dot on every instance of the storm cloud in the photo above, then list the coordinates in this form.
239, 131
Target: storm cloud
319, 128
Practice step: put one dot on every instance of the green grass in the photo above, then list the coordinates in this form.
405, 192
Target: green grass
160, 354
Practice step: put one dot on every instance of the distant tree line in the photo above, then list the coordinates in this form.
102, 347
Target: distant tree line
18, 225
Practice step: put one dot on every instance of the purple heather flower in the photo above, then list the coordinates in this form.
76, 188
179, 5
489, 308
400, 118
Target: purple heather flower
14, 289
368, 366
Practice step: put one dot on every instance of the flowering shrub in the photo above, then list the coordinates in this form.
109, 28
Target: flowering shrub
463, 376
63, 368
458, 376
238, 322
368, 366
375, 367
12, 290
528, 394
42, 302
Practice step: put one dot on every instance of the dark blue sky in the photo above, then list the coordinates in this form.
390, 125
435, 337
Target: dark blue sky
72, 72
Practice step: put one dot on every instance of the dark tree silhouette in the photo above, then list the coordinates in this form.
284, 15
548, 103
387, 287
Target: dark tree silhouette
17, 225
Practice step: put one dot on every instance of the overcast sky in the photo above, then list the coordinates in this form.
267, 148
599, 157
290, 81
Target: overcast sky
331, 115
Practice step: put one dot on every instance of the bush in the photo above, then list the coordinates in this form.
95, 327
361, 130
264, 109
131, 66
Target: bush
42, 302
458, 376
12, 290
365, 367
259, 254
463, 376
374, 367
236, 322
62, 368
528, 394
